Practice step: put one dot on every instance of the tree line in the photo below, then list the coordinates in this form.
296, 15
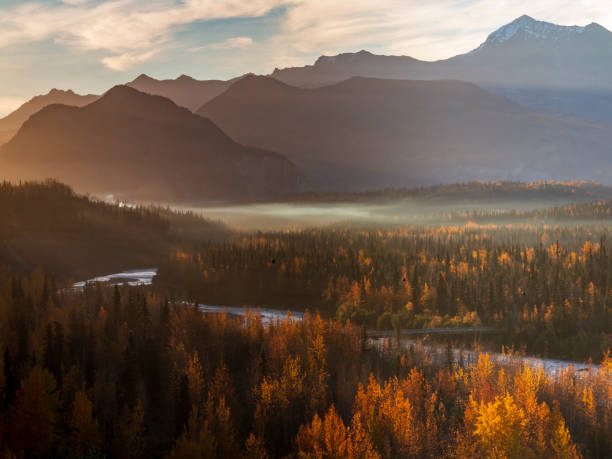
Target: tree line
476, 191
594, 211
547, 289
46, 225
121, 372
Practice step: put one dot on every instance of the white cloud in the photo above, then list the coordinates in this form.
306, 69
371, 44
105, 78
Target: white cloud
130, 31
432, 29
230, 43
127, 60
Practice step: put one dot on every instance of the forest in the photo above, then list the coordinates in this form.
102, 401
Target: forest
593, 212
118, 371
122, 372
46, 225
548, 289
470, 191
545, 286
305, 229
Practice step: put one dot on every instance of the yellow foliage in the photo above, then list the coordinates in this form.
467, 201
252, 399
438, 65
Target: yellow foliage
330, 438
499, 427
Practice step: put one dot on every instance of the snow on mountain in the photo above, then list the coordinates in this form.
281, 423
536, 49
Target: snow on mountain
526, 27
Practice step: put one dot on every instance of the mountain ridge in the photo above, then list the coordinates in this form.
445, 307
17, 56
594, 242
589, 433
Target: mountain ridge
526, 27
140, 146
184, 91
562, 70
409, 132
10, 124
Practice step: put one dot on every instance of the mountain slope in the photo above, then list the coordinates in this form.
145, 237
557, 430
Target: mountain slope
562, 69
142, 147
409, 132
539, 54
184, 91
333, 69
46, 225
10, 124
525, 52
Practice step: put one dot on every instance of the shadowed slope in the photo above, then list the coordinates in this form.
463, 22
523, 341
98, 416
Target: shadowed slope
409, 132
560, 69
184, 91
10, 124
142, 147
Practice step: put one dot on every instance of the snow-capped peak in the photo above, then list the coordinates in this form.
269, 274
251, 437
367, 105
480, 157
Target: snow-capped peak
528, 28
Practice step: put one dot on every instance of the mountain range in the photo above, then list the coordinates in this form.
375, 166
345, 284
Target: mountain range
184, 91
409, 132
561, 69
532, 102
10, 124
139, 146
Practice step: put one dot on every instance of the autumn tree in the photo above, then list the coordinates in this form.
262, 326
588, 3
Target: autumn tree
34, 414
85, 435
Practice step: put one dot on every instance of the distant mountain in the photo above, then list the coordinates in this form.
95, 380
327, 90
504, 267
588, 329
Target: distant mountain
406, 133
538, 54
139, 146
10, 124
184, 91
561, 69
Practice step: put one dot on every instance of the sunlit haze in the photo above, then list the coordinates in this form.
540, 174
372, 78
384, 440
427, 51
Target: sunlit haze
362, 229
90, 45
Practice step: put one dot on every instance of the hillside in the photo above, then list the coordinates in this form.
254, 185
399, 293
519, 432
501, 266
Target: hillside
559, 69
590, 213
366, 132
10, 124
184, 91
137, 146
470, 192
46, 225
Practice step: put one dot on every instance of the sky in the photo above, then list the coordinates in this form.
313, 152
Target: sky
91, 45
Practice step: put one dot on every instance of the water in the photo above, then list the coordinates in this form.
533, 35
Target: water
465, 356
139, 277
268, 316
133, 278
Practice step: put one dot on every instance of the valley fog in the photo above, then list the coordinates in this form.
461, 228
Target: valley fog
300, 215
363, 255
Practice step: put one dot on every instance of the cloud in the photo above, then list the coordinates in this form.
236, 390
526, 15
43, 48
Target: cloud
430, 30
127, 60
230, 43
129, 31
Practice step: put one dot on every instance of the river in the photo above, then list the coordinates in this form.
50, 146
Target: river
463, 356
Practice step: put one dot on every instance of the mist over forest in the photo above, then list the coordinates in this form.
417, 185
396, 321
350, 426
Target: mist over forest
369, 256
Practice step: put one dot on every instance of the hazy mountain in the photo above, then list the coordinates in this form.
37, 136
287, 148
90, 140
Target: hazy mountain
10, 124
538, 54
184, 91
563, 69
140, 146
406, 132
